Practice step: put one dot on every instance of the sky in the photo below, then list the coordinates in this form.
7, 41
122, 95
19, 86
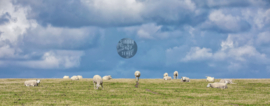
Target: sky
197, 38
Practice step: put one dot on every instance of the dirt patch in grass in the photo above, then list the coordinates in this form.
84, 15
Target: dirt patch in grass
152, 91
137, 84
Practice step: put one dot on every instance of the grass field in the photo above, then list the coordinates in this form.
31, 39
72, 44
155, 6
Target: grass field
123, 92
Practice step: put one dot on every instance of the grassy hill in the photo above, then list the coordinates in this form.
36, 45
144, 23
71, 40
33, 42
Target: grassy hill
123, 92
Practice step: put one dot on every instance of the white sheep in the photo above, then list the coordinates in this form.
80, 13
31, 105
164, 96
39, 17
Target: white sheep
97, 80
137, 75
74, 78
217, 85
228, 81
185, 79
175, 75
210, 79
80, 77
165, 75
107, 77
66, 77
32, 83
167, 78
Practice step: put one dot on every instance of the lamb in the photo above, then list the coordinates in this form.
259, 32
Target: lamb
210, 79
137, 75
167, 78
97, 80
31, 83
175, 74
66, 77
165, 75
74, 78
217, 85
80, 77
228, 81
107, 77
185, 79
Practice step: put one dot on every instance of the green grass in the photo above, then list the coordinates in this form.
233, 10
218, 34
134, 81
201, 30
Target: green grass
247, 92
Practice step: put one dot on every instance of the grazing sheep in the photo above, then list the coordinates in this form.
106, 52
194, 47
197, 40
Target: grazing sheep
165, 75
97, 80
175, 75
210, 79
167, 78
228, 81
32, 83
217, 85
137, 75
185, 79
107, 77
80, 77
74, 78
66, 77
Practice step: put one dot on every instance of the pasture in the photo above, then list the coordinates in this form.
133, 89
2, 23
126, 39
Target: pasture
153, 92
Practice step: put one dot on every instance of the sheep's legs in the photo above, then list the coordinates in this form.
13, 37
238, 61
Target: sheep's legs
102, 86
94, 86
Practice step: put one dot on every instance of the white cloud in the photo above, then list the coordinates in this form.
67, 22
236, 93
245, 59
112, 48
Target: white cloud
55, 59
13, 30
147, 31
262, 18
61, 37
227, 51
150, 31
20, 30
197, 53
225, 21
18, 23
123, 12
263, 38
110, 10
7, 52
234, 55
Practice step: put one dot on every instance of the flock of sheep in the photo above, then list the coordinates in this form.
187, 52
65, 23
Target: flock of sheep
98, 81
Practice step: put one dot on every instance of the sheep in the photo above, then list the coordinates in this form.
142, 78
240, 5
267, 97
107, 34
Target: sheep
31, 83
97, 80
167, 78
107, 77
165, 75
80, 77
175, 74
185, 79
137, 75
66, 77
210, 79
217, 85
74, 78
228, 81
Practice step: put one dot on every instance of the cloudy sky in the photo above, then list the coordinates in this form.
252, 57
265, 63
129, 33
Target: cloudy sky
198, 38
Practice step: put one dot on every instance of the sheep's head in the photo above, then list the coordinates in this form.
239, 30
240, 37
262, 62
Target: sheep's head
208, 85
98, 85
38, 81
183, 78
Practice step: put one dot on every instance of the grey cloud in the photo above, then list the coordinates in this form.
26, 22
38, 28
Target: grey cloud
4, 18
